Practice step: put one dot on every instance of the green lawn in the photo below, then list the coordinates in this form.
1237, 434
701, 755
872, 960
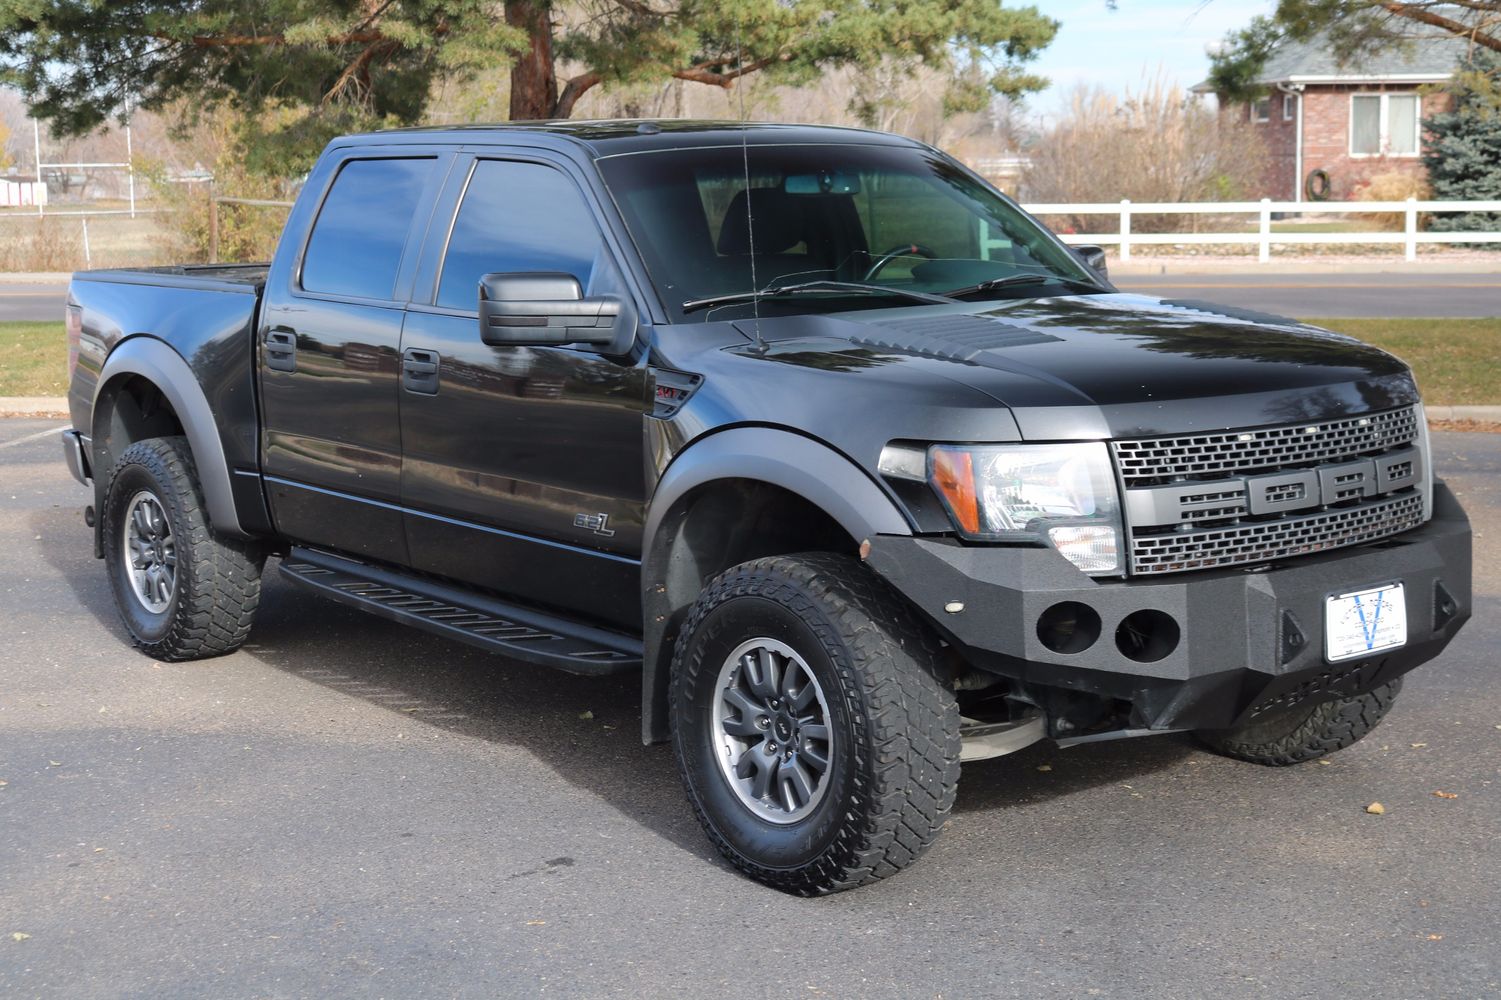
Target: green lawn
33, 359
1457, 361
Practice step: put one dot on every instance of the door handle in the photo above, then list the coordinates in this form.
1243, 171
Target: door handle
419, 371
281, 349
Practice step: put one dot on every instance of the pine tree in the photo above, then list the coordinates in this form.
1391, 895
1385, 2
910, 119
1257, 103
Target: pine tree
1462, 146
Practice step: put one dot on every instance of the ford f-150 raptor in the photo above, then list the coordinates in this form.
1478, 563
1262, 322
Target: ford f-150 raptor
863, 470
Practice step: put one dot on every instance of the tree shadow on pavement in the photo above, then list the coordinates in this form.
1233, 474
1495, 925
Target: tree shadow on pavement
585, 729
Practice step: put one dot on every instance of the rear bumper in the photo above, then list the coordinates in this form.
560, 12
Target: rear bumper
76, 454
1248, 641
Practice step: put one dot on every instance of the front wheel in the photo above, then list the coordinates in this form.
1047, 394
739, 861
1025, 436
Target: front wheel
816, 737
1305, 734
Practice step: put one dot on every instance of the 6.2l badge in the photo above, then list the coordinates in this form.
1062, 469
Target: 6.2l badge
597, 523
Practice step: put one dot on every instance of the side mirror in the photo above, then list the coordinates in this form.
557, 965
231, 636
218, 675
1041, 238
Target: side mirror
1093, 258
548, 308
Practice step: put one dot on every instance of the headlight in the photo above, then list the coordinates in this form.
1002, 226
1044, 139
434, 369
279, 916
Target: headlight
1063, 494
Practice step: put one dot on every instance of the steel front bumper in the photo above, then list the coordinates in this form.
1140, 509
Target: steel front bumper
1248, 641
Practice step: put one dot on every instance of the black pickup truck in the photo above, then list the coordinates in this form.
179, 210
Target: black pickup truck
860, 467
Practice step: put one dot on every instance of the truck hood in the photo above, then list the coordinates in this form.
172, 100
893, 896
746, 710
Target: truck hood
1111, 365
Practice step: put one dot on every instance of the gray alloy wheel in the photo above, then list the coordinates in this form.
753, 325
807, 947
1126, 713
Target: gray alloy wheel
150, 552
771, 731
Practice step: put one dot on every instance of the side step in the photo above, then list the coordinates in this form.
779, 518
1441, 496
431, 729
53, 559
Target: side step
514, 631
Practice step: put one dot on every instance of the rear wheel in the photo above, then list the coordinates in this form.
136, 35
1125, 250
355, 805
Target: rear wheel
817, 740
1305, 734
183, 592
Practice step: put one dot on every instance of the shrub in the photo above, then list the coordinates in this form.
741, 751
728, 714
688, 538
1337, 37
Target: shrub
1395, 185
1156, 145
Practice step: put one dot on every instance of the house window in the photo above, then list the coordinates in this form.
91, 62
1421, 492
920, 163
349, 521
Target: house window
1384, 124
1288, 107
1261, 110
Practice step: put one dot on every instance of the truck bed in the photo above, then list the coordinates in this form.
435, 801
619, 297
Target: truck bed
221, 277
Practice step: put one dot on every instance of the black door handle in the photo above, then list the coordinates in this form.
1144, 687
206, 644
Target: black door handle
281, 349
419, 371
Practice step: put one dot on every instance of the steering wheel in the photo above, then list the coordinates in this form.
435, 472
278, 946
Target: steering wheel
905, 250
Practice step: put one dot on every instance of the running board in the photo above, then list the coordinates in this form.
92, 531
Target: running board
514, 631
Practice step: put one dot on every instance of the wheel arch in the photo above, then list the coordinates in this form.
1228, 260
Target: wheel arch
139, 371
741, 494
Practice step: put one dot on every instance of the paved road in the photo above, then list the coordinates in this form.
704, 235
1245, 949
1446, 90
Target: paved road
1289, 295
346, 808
33, 302
1381, 295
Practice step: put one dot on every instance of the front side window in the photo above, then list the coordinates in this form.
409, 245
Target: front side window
517, 217
357, 241
1384, 124
720, 221
1261, 109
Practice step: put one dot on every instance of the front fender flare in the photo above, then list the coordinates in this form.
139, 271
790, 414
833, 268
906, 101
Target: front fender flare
164, 368
797, 464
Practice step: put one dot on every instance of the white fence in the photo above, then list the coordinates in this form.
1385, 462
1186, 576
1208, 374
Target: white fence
1264, 237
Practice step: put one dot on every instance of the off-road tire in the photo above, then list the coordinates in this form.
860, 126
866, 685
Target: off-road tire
895, 767
218, 579
1305, 734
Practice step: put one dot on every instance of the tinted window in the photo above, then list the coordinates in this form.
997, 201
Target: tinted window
362, 228
516, 217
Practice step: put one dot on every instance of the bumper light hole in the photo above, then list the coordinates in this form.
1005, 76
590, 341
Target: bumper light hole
1068, 627
1147, 636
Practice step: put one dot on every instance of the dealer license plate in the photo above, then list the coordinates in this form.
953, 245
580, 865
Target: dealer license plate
1364, 622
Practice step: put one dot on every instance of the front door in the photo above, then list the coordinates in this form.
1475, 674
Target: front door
522, 468
328, 359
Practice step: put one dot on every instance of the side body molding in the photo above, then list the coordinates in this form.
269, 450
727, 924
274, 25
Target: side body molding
158, 363
671, 576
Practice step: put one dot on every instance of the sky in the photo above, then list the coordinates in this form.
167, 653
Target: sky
1117, 49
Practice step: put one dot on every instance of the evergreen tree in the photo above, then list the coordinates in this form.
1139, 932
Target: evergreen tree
1462, 146
307, 69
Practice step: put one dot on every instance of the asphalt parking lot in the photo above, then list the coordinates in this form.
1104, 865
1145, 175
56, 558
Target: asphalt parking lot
347, 808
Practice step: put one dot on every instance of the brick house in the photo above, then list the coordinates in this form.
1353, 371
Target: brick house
1351, 122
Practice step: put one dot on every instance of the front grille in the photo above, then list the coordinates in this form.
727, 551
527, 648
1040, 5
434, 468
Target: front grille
1241, 497
1279, 539
1158, 460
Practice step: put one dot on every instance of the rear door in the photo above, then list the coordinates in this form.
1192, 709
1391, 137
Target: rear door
329, 346
523, 467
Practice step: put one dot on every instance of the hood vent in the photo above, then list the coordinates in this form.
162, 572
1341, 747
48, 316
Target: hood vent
951, 338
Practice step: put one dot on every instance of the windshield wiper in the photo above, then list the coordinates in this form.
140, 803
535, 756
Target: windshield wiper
1012, 280
806, 287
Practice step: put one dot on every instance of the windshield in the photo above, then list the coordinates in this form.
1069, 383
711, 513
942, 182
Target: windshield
897, 217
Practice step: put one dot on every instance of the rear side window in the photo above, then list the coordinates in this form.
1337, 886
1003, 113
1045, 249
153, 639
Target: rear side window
356, 245
517, 217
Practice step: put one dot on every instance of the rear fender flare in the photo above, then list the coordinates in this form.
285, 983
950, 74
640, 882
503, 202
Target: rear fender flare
157, 363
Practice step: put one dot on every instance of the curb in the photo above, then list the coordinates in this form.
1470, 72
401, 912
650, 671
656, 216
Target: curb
35, 407
35, 278
1478, 414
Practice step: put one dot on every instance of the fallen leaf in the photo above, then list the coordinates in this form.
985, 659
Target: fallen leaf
1326, 762
1418, 746
1044, 767
19, 936
1447, 795
586, 714
54, 763
535, 923
1435, 937
1376, 809
3, 782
